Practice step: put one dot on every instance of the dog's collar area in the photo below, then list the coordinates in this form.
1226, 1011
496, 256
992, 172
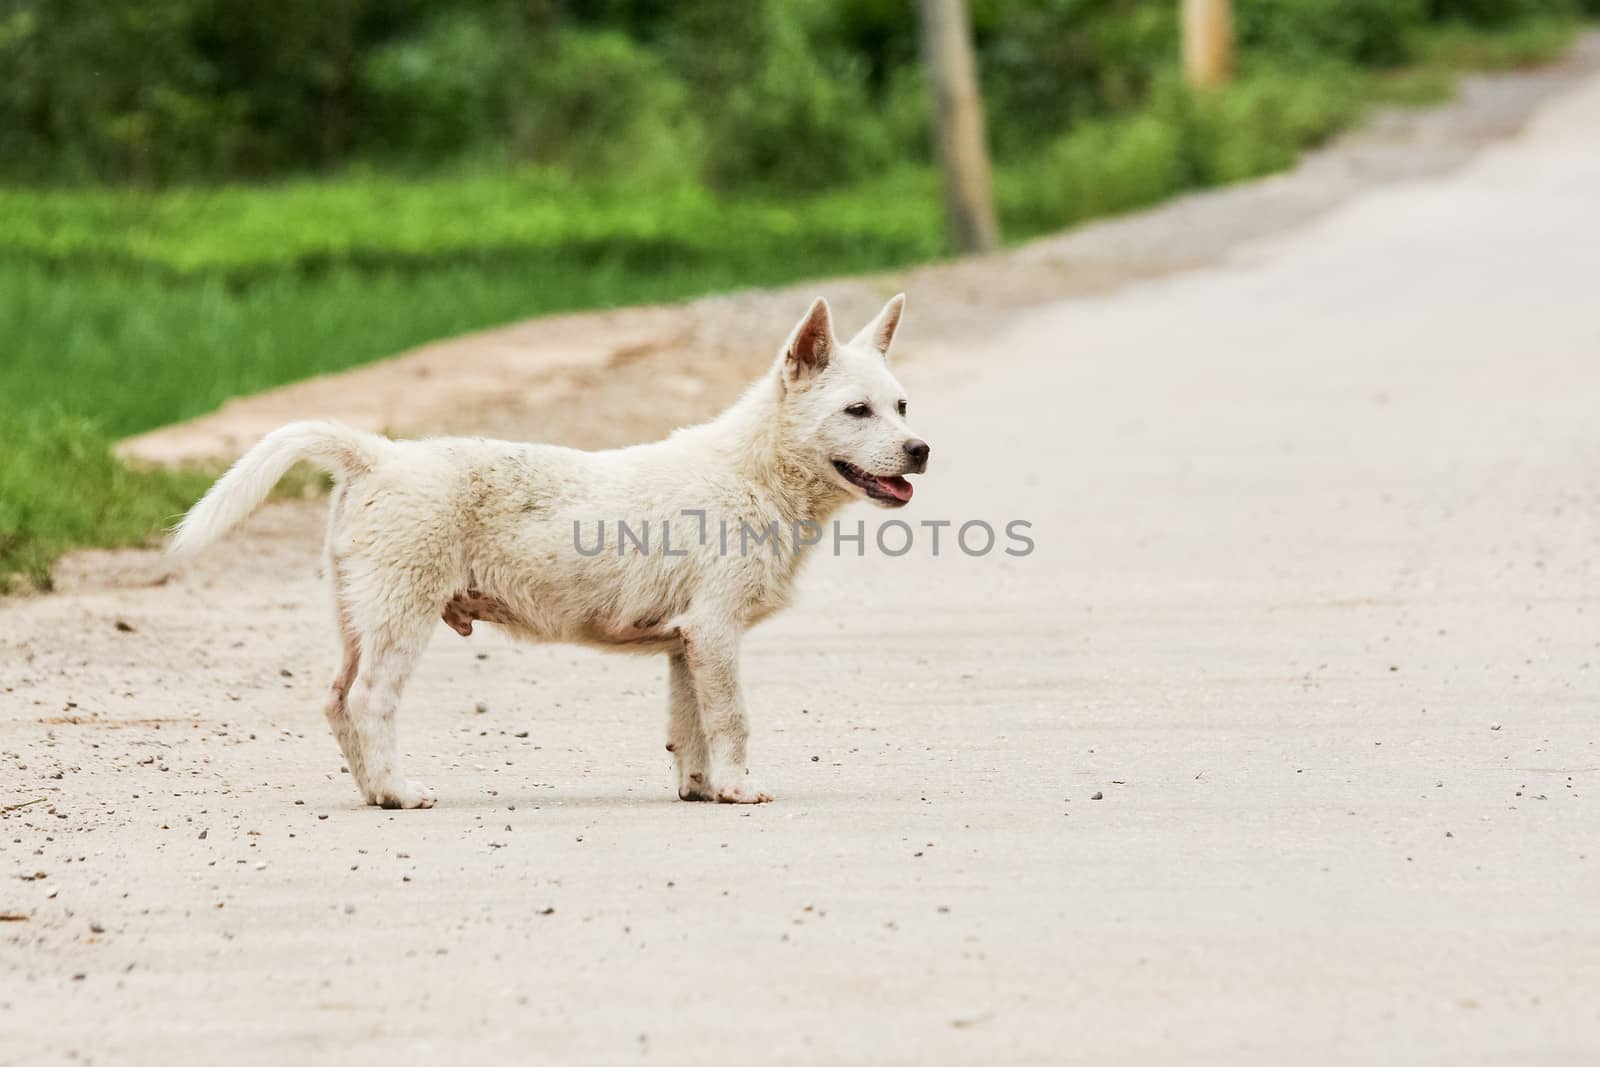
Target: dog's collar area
889, 488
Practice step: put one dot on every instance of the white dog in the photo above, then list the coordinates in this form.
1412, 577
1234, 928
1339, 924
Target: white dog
473, 529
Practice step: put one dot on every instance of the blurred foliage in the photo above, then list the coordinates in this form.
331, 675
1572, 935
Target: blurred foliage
209, 292
1501, 12
599, 104
796, 94
805, 119
1259, 124
1048, 63
436, 92
1366, 32
438, 166
1458, 46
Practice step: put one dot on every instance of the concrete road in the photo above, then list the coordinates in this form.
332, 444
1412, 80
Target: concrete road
1283, 746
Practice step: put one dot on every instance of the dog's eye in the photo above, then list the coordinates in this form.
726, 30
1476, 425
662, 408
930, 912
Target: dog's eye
901, 408
860, 411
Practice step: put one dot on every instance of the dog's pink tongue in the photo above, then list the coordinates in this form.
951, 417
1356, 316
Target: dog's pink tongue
896, 487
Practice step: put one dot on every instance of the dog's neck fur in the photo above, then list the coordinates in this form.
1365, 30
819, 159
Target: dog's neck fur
753, 437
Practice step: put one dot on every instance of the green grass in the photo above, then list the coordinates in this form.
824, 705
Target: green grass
500, 221
136, 351
60, 488
123, 310
203, 304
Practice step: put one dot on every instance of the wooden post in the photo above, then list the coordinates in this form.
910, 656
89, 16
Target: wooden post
1207, 42
958, 125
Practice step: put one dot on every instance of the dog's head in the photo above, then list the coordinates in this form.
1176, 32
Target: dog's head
844, 410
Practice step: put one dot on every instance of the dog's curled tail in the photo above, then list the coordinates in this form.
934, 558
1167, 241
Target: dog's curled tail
339, 450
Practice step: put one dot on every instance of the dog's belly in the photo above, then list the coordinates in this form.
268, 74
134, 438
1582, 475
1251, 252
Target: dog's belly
639, 635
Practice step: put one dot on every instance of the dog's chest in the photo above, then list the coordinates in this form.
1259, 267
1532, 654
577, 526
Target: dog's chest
767, 584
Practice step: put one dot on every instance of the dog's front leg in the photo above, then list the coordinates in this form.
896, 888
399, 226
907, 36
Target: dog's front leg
686, 739
713, 661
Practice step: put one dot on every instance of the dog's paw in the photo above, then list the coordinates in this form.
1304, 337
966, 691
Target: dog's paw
695, 787
743, 793
404, 794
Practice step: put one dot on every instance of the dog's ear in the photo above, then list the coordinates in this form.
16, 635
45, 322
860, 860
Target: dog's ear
810, 345
879, 333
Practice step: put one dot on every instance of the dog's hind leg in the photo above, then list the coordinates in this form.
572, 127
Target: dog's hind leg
375, 749
686, 739
337, 708
713, 659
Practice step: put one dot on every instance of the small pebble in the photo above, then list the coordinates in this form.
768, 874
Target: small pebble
1098, 795
482, 708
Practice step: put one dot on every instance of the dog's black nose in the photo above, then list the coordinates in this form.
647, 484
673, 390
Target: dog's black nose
917, 449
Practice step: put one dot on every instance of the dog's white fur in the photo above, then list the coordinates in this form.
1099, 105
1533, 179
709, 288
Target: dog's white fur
475, 529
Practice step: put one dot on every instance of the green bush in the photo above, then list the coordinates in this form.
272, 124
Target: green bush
1258, 124
1102, 167
1263, 120
1458, 46
440, 90
1049, 63
112, 92
1500, 12
1294, 32
803, 122
796, 94
908, 115
597, 104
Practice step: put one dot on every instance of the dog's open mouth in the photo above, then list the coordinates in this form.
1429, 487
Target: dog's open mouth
891, 488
